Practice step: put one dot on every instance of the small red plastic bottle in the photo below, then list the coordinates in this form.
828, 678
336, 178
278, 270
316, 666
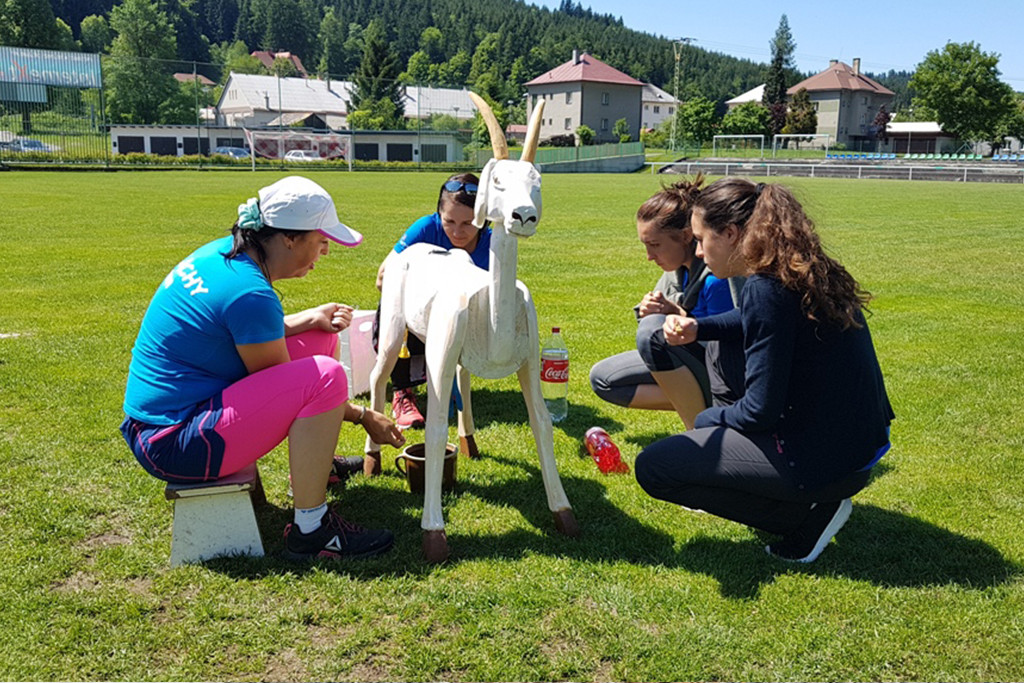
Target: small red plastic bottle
604, 452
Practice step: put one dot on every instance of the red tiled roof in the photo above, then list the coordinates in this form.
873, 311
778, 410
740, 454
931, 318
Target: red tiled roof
588, 68
267, 58
187, 78
839, 76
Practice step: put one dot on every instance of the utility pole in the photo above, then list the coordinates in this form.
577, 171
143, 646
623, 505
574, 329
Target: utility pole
677, 48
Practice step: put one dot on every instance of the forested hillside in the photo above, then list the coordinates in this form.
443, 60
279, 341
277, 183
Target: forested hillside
496, 44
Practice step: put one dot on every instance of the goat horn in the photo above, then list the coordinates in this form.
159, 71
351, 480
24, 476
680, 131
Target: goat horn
498, 143
532, 133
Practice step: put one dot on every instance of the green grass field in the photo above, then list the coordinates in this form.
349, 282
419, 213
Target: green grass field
926, 582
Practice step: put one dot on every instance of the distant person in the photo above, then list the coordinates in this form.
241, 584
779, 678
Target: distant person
814, 419
451, 227
220, 375
656, 375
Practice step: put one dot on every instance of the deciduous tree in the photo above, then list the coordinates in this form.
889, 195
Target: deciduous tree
138, 72
749, 118
961, 85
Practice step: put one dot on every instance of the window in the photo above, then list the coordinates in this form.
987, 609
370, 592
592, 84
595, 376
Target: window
534, 101
646, 107
815, 105
671, 110
865, 100
657, 109
568, 98
604, 124
605, 98
568, 123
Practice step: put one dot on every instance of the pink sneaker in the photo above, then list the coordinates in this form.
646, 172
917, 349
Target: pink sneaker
404, 410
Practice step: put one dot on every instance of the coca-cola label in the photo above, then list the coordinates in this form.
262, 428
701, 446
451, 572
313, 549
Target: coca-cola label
554, 371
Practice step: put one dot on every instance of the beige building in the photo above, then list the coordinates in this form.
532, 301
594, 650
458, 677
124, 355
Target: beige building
846, 102
586, 91
659, 106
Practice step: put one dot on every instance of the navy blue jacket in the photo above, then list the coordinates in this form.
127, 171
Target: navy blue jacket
817, 388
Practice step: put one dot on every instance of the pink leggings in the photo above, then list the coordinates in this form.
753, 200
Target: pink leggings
259, 409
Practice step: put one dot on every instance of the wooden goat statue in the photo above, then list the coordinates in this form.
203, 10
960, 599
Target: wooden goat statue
473, 321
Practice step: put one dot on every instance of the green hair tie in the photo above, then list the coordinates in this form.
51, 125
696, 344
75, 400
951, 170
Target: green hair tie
249, 215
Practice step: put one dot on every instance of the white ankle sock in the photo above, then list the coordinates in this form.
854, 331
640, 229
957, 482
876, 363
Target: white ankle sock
308, 519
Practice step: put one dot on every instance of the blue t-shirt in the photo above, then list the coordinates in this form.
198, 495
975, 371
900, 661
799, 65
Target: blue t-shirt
185, 352
715, 298
430, 231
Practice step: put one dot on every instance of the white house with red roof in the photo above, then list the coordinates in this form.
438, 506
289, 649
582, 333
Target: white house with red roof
846, 101
586, 91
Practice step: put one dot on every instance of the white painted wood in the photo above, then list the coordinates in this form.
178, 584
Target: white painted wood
215, 519
473, 321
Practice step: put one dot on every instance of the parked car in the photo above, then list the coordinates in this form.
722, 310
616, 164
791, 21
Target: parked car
233, 152
30, 145
303, 155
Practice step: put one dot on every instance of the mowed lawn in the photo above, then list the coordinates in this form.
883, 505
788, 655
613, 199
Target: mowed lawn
926, 582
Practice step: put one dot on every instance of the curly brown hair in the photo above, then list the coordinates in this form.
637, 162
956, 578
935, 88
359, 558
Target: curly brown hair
778, 239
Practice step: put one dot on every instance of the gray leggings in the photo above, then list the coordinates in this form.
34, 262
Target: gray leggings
615, 379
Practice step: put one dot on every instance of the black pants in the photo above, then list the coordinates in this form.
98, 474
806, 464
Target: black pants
408, 372
741, 477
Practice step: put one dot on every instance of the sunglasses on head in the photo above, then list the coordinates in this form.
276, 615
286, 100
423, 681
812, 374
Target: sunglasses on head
455, 185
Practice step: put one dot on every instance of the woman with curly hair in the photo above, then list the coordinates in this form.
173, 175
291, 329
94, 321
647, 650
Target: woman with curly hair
814, 417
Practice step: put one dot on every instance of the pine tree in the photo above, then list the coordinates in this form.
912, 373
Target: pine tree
782, 47
376, 78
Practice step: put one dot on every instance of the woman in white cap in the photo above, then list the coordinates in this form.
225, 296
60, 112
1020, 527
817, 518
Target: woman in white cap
220, 375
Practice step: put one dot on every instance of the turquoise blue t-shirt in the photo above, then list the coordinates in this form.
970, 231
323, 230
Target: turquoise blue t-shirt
185, 352
429, 230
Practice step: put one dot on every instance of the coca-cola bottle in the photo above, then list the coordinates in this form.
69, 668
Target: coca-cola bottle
554, 375
604, 451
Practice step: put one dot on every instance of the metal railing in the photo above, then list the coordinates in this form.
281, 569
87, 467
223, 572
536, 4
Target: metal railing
984, 172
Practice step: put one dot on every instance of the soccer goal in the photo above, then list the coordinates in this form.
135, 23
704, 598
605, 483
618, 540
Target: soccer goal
817, 141
306, 145
737, 145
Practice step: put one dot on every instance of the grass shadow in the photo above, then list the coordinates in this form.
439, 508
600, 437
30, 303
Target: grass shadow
505, 406
608, 533
886, 548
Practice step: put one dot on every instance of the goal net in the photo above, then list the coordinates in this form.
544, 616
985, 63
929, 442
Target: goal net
801, 141
275, 144
744, 145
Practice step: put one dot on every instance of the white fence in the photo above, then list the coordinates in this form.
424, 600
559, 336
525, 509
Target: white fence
980, 172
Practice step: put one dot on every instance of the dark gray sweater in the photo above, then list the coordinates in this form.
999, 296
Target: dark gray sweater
818, 389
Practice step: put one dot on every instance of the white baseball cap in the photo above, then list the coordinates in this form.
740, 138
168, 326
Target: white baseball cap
297, 203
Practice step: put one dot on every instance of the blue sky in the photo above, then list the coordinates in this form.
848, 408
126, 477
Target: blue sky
887, 35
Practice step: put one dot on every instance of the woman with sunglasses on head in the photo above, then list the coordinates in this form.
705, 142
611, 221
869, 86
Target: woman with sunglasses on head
220, 376
814, 417
450, 227
656, 375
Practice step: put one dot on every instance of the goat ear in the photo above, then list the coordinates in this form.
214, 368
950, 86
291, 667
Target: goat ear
484, 186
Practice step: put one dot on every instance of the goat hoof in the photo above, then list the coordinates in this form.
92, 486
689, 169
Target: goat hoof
565, 522
467, 444
435, 546
371, 464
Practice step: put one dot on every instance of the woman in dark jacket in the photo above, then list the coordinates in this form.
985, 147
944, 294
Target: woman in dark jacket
814, 417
